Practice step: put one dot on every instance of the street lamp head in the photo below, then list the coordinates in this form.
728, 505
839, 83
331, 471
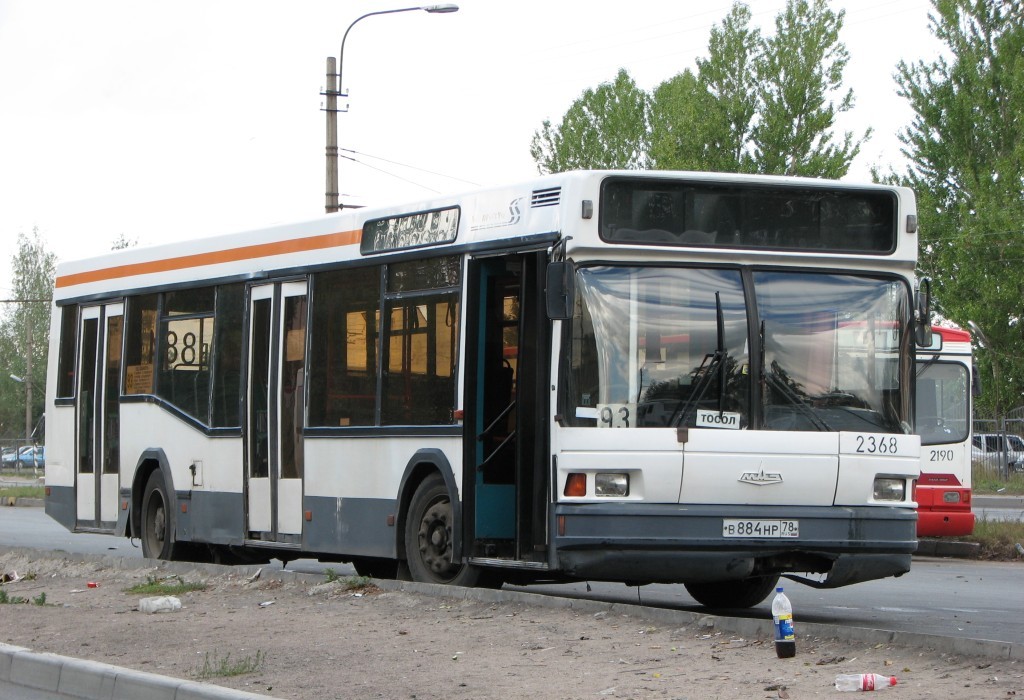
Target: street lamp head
20, 380
982, 340
441, 9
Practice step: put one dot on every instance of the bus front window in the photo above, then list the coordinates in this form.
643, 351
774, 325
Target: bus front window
659, 347
832, 347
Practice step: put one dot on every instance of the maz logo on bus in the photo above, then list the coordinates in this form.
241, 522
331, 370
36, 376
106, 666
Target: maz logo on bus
761, 478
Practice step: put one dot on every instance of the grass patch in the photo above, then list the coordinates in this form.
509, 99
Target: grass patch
21, 492
985, 483
224, 667
6, 599
998, 539
172, 585
349, 583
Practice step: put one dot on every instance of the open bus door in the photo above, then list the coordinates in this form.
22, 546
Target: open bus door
506, 479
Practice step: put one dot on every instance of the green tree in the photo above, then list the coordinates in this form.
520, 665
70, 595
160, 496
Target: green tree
966, 151
604, 128
798, 70
24, 333
755, 104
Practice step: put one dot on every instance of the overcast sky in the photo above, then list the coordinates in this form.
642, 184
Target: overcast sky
161, 121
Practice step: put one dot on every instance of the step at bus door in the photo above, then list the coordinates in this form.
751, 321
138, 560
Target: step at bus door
97, 453
275, 410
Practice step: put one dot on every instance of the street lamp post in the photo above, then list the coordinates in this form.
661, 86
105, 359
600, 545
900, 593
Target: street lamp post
335, 89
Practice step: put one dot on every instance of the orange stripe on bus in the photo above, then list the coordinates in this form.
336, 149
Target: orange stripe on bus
260, 250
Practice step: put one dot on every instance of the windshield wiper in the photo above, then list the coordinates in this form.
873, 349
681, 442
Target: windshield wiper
712, 363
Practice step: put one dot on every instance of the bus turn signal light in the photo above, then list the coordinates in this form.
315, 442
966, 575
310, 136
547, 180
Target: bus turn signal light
576, 485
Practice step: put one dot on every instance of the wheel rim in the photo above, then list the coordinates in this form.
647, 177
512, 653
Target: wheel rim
155, 523
435, 540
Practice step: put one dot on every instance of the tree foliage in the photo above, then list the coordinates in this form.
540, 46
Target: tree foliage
755, 104
798, 69
24, 333
966, 149
605, 127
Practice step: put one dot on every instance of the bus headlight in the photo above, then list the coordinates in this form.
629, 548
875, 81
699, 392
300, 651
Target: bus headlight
611, 485
890, 489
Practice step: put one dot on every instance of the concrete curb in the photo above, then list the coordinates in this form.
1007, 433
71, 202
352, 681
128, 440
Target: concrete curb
63, 677
23, 502
76, 679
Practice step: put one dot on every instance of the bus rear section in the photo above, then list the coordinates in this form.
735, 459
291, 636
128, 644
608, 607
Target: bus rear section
945, 386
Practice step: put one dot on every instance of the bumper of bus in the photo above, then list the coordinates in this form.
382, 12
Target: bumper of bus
665, 543
944, 523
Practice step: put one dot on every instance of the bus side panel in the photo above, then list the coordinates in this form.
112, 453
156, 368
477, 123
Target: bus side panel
355, 526
217, 517
146, 425
216, 511
60, 465
357, 467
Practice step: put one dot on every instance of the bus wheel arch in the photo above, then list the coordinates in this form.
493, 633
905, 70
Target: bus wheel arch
430, 524
154, 507
423, 465
151, 461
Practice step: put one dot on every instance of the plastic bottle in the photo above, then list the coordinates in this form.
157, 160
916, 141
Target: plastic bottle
782, 617
864, 681
163, 603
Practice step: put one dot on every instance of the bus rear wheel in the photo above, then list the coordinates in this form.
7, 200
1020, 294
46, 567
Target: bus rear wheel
428, 537
744, 593
157, 530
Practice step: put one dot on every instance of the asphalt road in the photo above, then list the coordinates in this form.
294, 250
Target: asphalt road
947, 597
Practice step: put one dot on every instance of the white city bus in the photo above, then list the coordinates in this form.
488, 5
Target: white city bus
945, 385
624, 376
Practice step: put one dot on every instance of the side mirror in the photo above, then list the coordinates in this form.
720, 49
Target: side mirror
923, 313
561, 290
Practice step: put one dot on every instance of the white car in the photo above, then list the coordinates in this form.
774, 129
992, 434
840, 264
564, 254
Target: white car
987, 447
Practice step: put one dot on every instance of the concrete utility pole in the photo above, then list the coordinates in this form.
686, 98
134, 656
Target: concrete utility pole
336, 89
332, 136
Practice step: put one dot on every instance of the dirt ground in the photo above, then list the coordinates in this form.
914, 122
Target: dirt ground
319, 640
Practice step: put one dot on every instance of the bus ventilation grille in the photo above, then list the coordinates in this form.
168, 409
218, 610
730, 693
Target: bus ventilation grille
546, 198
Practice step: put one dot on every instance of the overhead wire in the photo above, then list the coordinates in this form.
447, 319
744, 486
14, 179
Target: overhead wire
411, 167
382, 170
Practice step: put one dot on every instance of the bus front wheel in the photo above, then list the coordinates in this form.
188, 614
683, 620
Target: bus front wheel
744, 593
157, 530
428, 537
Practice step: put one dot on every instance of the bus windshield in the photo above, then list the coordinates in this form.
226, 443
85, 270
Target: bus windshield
675, 347
943, 410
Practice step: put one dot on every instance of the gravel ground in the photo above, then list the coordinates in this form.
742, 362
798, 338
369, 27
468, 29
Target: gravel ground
307, 639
